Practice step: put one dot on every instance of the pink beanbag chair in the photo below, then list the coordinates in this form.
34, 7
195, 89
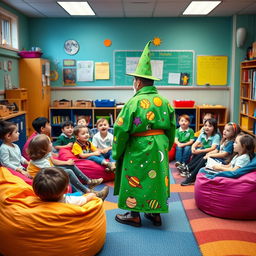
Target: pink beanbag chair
26, 179
89, 168
172, 153
227, 197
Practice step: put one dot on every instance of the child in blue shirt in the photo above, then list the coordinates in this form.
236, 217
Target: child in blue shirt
222, 154
207, 141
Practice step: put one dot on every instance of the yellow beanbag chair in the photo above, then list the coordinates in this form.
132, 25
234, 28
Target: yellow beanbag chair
31, 227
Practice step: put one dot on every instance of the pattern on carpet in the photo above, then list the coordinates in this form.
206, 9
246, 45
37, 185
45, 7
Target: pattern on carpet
216, 236
174, 237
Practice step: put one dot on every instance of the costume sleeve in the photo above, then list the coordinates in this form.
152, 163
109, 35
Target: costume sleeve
122, 128
5, 158
76, 149
170, 132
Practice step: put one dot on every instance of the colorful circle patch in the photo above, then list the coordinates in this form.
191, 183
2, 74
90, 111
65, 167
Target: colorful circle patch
145, 103
150, 115
152, 174
120, 121
131, 202
157, 101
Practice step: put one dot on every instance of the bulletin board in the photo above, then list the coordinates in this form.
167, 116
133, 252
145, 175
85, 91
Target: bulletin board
174, 62
212, 70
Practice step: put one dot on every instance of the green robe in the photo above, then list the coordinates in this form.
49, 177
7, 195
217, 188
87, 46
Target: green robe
142, 176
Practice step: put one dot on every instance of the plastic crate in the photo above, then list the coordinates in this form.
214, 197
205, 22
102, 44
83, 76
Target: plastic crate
30, 54
104, 103
184, 103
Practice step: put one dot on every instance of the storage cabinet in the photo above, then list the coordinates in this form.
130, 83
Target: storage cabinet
19, 119
219, 112
247, 114
34, 76
59, 115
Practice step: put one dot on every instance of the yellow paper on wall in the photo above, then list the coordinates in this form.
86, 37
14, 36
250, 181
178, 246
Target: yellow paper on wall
101, 70
212, 70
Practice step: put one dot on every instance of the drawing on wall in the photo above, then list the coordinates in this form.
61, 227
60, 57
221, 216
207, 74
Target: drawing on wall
69, 76
157, 41
107, 42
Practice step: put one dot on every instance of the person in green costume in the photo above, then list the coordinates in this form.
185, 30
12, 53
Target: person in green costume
143, 135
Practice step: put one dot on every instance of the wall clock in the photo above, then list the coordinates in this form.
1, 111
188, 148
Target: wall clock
71, 47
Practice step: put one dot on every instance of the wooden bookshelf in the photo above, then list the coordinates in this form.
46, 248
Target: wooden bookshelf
247, 112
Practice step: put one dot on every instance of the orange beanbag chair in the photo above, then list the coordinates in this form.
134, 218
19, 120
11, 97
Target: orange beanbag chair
31, 227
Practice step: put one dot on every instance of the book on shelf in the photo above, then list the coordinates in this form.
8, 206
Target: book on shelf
253, 89
244, 107
59, 119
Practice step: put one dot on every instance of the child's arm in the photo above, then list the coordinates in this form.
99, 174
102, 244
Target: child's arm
85, 155
79, 200
216, 154
227, 167
69, 145
205, 150
60, 162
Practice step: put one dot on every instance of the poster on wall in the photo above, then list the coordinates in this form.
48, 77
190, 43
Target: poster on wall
69, 76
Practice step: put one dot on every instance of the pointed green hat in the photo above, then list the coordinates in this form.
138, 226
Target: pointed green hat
143, 68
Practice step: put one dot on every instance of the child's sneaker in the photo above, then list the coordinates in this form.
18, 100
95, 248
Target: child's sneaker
177, 164
94, 182
103, 193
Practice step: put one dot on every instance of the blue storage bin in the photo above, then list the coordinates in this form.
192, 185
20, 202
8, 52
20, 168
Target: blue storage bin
104, 103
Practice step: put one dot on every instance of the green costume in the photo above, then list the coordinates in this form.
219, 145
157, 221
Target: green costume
142, 176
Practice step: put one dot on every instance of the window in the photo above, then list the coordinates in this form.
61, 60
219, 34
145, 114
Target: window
8, 30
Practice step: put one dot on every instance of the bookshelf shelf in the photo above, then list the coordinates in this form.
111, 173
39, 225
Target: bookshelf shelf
248, 96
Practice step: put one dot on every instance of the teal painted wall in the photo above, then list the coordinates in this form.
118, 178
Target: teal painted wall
249, 23
206, 36
7, 55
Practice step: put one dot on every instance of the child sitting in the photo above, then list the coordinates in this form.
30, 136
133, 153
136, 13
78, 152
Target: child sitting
205, 117
82, 120
184, 138
244, 146
10, 154
86, 150
221, 154
51, 184
66, 139
39, 150
41, 125
208, 141
103, 139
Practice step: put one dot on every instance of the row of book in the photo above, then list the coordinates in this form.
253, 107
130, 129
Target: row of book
249, 75
59, 119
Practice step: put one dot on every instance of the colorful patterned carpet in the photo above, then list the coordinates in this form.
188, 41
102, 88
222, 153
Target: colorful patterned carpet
216, 236
185, 231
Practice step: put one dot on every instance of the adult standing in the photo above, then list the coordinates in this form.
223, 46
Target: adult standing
143, 134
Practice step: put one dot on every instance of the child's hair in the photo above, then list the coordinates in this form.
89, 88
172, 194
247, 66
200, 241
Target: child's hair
78, 128
100, 121
80, 118
236, 130
6, 128
39, 122
38, 147
67, 123
248, 143
50, 184
212, 122
208, 114
186, 117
